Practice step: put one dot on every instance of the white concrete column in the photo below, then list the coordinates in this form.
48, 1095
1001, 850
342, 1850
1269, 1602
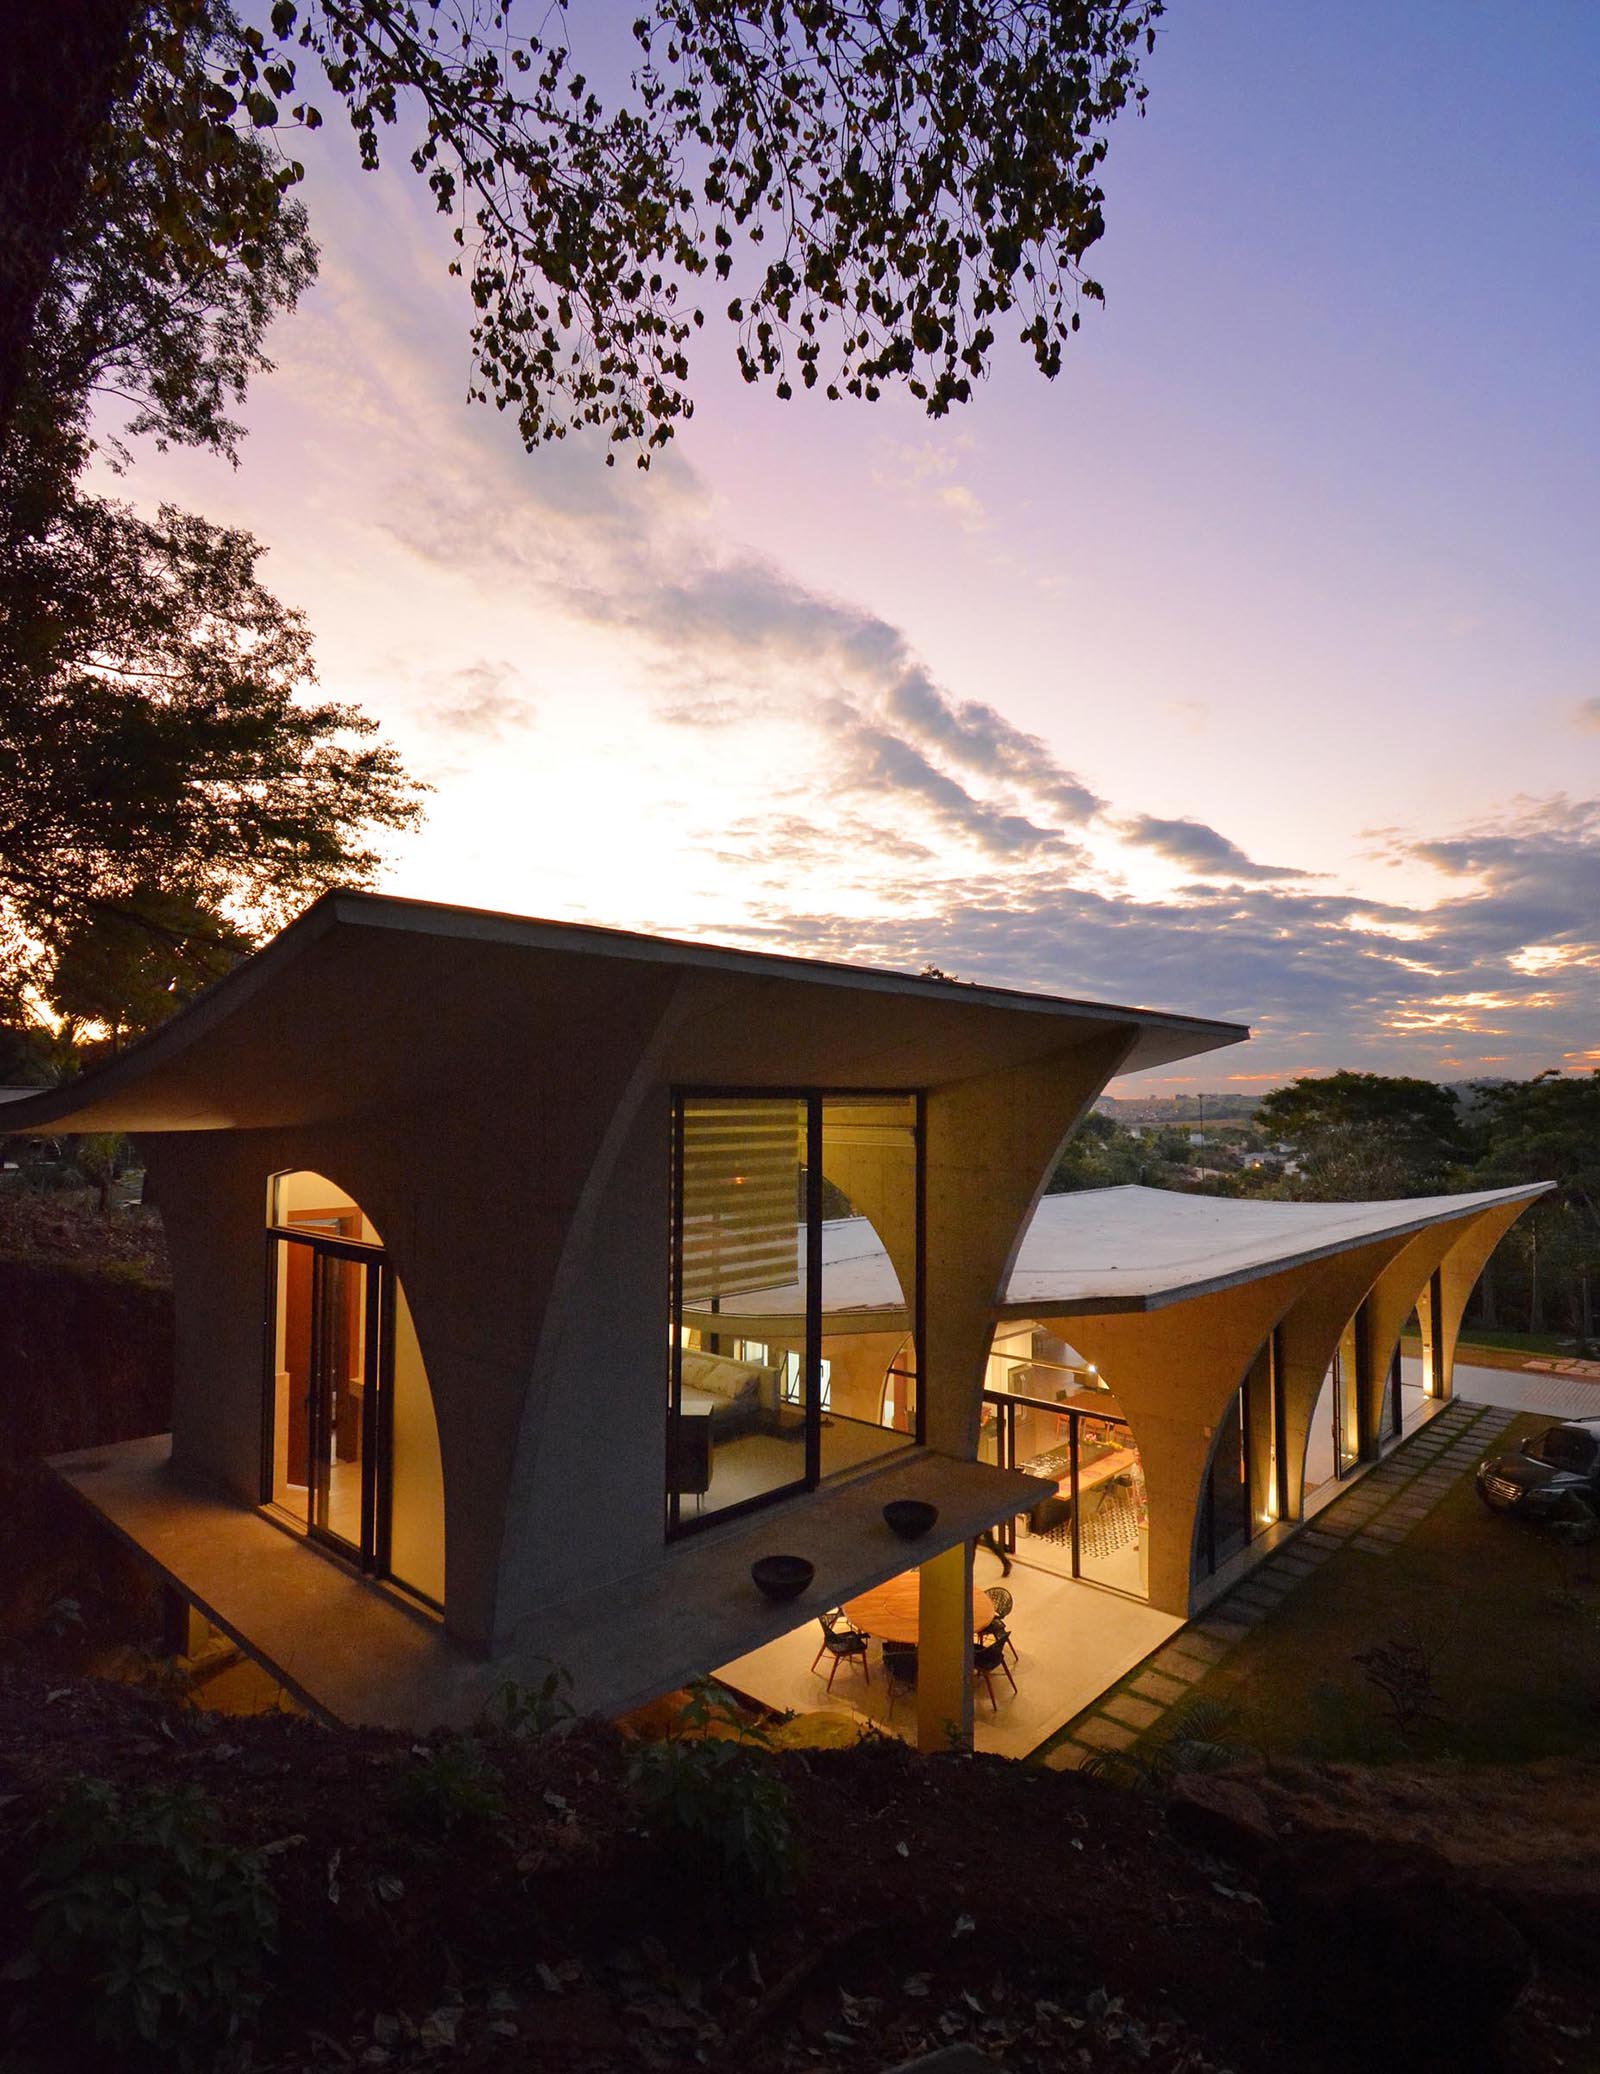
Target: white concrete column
944, 1644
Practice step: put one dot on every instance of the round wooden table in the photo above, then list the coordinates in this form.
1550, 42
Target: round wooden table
890, 1611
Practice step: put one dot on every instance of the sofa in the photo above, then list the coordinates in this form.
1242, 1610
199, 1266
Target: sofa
736, 1397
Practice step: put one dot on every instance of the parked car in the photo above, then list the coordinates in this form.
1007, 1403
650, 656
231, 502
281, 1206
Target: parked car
1541, 1475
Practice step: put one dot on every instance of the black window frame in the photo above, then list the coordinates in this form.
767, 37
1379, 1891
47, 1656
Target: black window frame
680, 1524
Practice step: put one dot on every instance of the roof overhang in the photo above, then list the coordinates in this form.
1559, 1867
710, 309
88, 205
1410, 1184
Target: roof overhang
367, 1001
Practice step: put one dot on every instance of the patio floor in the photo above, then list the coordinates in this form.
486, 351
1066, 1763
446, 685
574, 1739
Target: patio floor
1073, 1641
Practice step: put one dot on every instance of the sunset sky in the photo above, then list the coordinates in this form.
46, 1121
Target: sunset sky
1252, 668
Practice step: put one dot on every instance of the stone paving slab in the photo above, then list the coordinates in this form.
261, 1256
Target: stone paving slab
1067, 1757
1188, 1669
1135, 1713
1101, 1734
1160, 1686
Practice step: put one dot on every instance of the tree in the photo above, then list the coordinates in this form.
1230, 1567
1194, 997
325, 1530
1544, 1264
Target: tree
166, 786
1544, 1129
1365, 1136
872, 187
1548, 1129
1103, 1153
160, 768
128, 969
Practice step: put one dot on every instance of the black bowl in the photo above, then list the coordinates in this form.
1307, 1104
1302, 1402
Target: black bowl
782, 1576
910, 1517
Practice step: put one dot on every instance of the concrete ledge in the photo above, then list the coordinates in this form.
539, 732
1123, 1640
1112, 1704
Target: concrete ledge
698, 1608
350, 1649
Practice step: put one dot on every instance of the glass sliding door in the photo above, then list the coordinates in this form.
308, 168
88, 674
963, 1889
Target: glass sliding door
1346, 1403
325, 1429
342, 1424
351, 1443
1094, 1527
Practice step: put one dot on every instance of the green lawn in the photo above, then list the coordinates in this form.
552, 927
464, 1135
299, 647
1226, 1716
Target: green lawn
1511, 1622
1509, 1342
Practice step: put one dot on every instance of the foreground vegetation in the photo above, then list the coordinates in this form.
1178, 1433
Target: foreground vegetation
183, 1889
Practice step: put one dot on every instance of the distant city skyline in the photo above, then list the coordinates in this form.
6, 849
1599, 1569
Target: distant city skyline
1250, 669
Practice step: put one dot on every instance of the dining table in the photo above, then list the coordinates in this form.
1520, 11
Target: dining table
892, 1612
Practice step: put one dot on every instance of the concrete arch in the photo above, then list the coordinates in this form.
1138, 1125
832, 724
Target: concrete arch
1256, 1436
1309, 1335
601, 1209
1458, 1277
992, 1143
1393, 1296
1174, 1372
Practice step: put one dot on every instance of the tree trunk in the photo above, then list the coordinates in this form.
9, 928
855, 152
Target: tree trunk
58, 73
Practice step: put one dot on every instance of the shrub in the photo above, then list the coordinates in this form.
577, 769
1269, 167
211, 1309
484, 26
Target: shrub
715, 1806
1194, 1738
449, 1787
149, 1928
532, 1711
1402, 1670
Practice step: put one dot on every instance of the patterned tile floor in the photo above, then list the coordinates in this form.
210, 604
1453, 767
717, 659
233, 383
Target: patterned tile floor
1375, 1515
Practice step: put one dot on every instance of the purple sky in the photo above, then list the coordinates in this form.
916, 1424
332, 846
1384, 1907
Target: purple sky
1252, 668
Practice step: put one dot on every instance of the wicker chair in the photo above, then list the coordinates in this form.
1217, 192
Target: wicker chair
996, 1630
843, 1643
899, 1669
987, 1658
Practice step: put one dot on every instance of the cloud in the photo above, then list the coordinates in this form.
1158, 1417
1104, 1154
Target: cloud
843, 801
476, 701
1586, 716
1200, 849
744, 641
708, 713
878, 761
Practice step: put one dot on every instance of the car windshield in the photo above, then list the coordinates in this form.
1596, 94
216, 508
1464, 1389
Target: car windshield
1564, 1447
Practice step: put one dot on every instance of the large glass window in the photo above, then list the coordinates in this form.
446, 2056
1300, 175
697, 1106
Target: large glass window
796, 1238
869, 1271
1095, 1524
352, 1447
1246, 1486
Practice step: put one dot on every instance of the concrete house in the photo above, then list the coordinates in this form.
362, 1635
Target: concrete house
532, 1280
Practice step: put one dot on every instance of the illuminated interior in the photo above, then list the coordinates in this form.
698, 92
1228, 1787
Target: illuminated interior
794, 1294
1049, 1412
354, 1441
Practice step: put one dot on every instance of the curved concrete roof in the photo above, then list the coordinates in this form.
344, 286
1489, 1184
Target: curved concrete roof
1107, 1249
366, 999
1118, 1249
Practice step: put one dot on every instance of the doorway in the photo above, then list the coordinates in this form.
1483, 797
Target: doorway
350, 1444
331, 1380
